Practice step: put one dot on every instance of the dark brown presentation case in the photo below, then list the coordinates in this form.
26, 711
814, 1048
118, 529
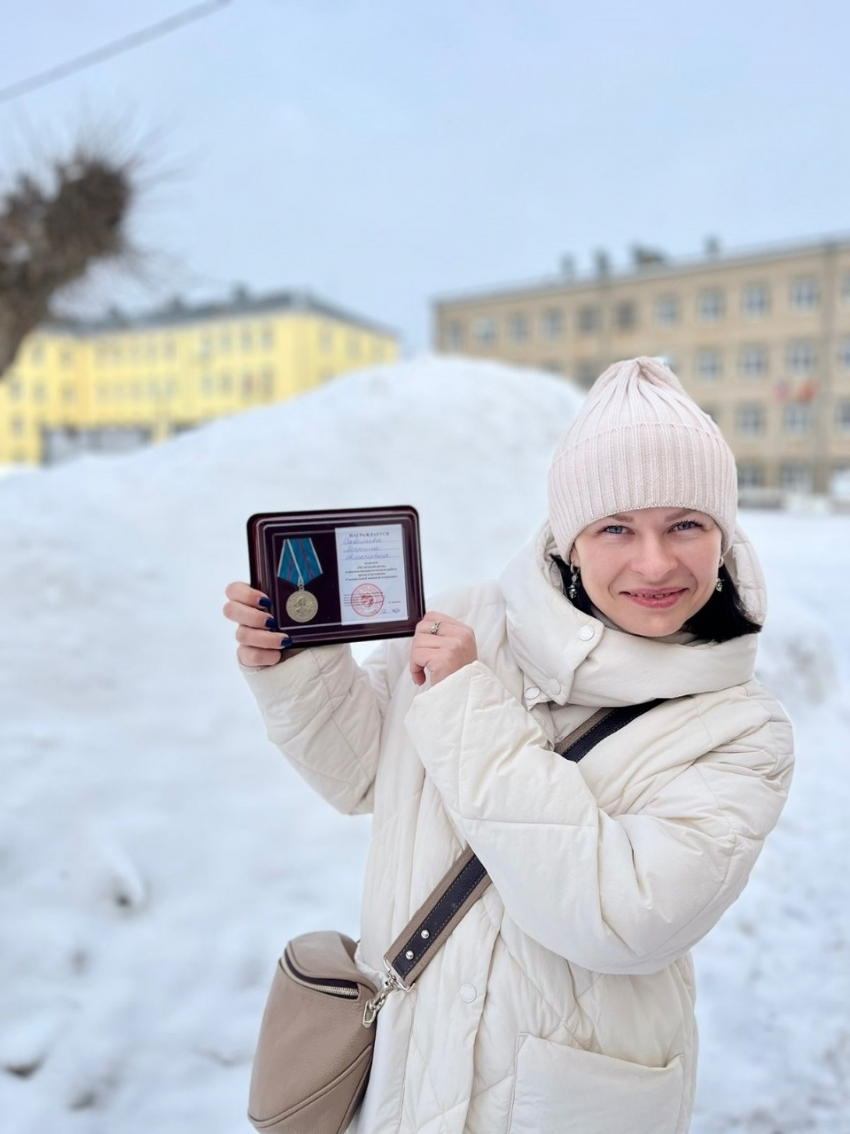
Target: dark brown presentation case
333, 610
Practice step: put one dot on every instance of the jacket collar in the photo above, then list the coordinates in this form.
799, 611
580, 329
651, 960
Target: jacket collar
573, 658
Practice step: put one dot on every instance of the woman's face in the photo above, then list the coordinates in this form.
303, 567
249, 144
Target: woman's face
627, 558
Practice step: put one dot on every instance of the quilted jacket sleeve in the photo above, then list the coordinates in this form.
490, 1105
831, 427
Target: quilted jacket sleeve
324, 712
624, 894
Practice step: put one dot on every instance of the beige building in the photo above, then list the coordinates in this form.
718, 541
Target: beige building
760, 339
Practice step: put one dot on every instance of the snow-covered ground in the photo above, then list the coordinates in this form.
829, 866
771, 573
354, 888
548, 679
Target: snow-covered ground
155, 849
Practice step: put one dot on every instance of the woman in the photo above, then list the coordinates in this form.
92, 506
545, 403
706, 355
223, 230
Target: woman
564, 1000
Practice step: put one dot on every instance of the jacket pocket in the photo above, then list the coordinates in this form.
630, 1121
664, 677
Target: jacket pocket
564, 1088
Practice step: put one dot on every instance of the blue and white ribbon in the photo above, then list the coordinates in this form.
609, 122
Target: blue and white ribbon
299, 562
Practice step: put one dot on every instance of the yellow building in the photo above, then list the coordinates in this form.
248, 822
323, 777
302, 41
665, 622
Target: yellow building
121, 382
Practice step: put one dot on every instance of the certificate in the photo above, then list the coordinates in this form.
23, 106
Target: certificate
341, 575
372, 583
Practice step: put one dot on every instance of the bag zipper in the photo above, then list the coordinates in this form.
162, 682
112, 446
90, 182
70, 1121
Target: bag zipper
349, 990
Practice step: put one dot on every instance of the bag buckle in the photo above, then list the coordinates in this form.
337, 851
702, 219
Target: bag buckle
392, 983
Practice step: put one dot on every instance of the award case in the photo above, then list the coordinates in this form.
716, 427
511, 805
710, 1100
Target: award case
341, 575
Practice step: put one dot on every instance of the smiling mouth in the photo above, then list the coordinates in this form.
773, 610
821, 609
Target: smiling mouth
655, 594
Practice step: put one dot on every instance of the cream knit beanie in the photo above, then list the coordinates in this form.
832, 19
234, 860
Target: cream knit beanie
639, 441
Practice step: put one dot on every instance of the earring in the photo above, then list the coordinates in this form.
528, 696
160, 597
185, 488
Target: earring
718, 586
574, 573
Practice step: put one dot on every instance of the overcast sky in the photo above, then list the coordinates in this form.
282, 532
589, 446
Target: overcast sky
382, 153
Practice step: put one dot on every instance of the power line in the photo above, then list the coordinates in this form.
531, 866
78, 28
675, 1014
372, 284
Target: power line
115, 47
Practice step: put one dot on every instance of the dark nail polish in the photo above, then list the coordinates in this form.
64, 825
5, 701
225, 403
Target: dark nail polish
271, 624
284, 642
265, 603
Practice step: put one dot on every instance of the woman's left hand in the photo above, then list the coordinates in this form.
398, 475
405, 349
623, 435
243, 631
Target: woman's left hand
441, 651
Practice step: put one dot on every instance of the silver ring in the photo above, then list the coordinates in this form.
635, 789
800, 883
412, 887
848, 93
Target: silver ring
435, 627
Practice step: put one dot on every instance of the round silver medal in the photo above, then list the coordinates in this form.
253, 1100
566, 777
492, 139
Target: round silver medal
301, 606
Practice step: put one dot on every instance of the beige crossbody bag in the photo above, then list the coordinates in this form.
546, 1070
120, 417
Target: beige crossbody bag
316, 1039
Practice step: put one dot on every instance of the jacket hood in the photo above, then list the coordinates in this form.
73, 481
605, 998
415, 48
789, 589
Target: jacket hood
573, 658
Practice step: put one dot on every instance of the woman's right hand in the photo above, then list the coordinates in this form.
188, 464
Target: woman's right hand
261, 642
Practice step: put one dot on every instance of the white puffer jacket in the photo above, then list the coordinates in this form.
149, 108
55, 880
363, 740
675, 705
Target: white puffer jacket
564, 999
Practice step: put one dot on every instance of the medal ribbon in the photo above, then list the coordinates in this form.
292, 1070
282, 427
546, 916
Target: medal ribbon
299, 562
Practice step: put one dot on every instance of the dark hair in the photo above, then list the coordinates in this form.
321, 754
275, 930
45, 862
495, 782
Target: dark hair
721, 618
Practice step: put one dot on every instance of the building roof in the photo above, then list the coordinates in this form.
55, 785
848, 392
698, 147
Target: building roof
661, 268
241, 304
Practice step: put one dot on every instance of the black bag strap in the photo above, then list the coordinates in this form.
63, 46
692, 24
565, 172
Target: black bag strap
467, 879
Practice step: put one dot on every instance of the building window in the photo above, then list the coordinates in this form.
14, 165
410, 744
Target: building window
801, 357
589, 319
247, 339
326, 338
168, 348
552, 323
804, 294
206, 343
268, 383
666, 310
750, 476
755, 300
353, 346
485, 331
842, 417
518, 328
224, 342
845, 287
709, 364
710, 306
795, 476
844, 353
37, 355
225, 383
267, 336
753, 361
750, 420
17, 426
136, 391
713, 412
39, 392
553, 366
171, 388
15, 389
247, 384
586, 374
625, 315
69, 395
207, 384
67, 358
797, 417
453, 336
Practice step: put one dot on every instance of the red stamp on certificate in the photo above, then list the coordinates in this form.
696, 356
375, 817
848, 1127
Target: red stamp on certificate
367, 600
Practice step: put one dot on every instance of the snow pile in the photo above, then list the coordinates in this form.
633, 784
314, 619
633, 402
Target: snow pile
156, 851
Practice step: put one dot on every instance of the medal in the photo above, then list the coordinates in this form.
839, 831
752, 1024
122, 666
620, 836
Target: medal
298, 565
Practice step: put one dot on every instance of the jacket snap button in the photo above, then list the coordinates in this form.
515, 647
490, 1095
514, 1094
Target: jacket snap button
409, 954
467, 993
531, 692
586, 633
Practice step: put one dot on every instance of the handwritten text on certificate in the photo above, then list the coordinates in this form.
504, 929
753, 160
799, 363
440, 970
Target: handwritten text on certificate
372, 583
